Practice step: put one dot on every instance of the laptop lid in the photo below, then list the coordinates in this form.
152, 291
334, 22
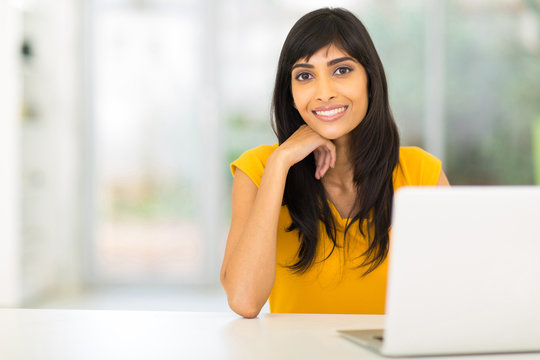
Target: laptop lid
464, 271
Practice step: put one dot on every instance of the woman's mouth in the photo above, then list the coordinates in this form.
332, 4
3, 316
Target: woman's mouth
330, 113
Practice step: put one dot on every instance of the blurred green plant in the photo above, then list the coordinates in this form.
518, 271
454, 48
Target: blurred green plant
150, 201
492, 97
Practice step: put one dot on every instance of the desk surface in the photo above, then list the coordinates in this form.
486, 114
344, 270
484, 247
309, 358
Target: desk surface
99, 335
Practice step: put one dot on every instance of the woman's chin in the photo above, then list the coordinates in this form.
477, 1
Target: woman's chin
331, 135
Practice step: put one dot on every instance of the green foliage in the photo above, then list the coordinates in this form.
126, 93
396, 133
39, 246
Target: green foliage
153, 201
492, 95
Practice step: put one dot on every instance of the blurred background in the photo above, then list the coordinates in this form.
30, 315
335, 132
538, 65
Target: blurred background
119, 118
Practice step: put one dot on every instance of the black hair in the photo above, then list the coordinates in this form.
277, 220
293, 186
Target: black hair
373, 145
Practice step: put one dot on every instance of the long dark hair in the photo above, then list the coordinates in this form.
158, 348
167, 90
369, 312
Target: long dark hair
374, 144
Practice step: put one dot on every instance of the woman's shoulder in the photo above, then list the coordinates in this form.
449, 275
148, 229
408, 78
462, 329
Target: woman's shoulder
418, 167
253, 161
414, 153
261, 152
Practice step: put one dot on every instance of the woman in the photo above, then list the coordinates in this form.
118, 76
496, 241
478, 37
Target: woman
311, 216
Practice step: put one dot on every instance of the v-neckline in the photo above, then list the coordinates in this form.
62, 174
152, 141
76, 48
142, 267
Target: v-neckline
341, 219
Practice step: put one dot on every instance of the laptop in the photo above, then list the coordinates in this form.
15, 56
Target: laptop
464, 273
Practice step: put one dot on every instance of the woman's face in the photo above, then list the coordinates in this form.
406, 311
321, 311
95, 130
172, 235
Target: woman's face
330, 92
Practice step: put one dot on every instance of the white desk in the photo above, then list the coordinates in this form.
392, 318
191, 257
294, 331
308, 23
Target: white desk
99, 335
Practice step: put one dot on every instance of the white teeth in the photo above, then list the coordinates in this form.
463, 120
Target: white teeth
330, 112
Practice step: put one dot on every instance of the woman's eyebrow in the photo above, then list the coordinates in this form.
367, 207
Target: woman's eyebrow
309, 66
330, 63
338, 60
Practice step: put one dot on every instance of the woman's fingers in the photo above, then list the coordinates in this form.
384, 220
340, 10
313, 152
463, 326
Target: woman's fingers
330, 150
329, 158
323, 156
319, 158
326, 162
332, 153
305, 141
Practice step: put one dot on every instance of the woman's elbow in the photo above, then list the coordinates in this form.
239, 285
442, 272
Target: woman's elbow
239, 301
244, 308
241, 304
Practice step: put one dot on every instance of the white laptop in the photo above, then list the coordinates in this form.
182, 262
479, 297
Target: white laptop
464, 273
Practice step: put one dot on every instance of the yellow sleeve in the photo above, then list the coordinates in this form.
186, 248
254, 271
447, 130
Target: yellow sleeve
253, 161
421, 167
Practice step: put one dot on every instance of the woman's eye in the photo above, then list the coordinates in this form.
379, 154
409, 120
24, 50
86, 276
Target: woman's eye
303, 76
342, 70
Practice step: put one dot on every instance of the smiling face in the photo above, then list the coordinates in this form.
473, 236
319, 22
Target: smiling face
330, 92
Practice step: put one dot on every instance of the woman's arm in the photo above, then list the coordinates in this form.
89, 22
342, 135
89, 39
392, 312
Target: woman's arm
443, 180
249, 264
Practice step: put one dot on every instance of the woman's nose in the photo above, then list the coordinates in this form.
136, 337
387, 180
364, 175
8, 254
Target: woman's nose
325, 89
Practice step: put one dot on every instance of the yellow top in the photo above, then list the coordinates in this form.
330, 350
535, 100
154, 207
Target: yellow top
335, 285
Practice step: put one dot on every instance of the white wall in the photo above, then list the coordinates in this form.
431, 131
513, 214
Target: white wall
50, 149
40, 150
10, 27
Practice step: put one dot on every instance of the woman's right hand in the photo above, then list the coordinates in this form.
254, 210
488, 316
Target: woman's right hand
305, 141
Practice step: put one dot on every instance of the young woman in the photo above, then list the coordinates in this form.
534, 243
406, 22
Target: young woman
311, 216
